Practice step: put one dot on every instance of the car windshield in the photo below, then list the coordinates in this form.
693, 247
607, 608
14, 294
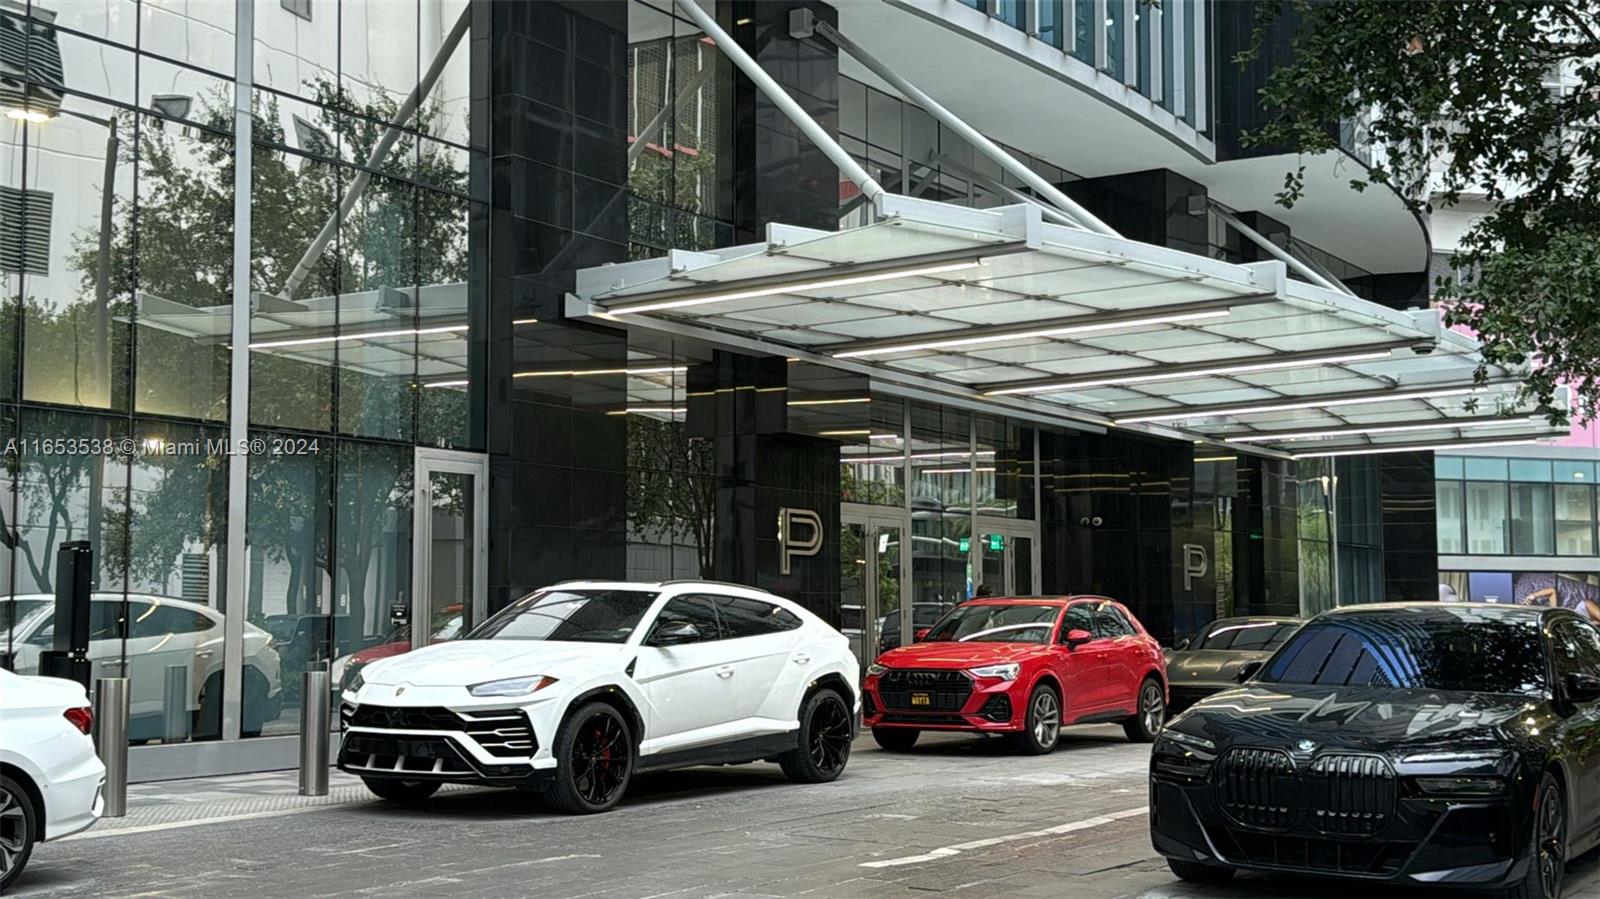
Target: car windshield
1252, 636
991, 623
1417, 652
578, 616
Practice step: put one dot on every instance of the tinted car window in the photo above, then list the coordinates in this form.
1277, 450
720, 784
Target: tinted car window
696, 610
159, 620
1574, 647
1251, 636
1109, 622
1077, 618
580, 616
743, 617
1405, 651
984, 623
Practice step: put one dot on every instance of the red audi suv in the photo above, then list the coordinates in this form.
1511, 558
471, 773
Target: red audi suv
1023, 667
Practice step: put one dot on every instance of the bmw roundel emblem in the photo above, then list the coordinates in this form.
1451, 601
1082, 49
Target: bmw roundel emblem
1306, 746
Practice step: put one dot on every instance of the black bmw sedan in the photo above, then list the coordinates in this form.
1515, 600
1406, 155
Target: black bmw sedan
1426, 743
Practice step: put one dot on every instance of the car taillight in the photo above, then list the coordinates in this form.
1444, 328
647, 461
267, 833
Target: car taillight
82, 719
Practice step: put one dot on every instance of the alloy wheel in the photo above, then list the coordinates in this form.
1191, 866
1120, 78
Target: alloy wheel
1552, 843
829, 743
1152, 708
13, 830
1046, 718
600, 758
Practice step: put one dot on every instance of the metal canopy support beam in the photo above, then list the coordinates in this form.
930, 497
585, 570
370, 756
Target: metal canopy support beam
1001, 188
775, 92
1283, 404
984, 145
1277, 252
648, 132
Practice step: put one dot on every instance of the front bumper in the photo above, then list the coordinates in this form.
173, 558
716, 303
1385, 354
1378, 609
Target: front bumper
959, 702
497, 746
1424, 840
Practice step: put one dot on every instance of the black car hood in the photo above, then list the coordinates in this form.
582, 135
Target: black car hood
1361, 717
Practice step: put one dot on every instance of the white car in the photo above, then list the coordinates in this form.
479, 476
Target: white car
161, 632
50, 778
575, 688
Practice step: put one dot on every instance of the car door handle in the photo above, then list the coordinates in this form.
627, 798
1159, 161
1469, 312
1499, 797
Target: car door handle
800, 658
204, 653
726, 671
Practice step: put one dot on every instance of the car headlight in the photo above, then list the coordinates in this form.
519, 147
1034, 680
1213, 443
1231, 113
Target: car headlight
1006, 671
512, 686
875, 669
1190, 740
354, 681
1468, 786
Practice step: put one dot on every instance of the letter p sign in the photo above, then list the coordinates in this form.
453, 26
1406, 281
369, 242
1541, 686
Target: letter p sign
799, 534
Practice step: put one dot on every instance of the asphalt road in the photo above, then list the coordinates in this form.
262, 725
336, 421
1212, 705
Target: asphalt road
958, 817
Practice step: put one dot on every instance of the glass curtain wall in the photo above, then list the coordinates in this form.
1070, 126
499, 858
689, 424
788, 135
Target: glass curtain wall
117, 183
1523, 507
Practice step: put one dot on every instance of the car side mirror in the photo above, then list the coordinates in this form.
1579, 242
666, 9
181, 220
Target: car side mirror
1076, 637
674, 633
1582, 687
1183, 644
920, 634
1247, 671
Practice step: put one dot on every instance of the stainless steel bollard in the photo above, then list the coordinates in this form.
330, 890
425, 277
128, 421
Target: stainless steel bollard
111, 741
314, 733
175, 704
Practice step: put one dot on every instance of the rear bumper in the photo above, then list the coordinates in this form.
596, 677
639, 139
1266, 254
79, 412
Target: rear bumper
75, 803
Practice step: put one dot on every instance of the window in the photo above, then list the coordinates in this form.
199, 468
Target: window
1452, 523
1110, 622
1077, 618
1247, 636
300, 8
164, 619
579, 616
1432, 650
997, 623
1485, 469
1486, 517
742, 617
695, 610
1574, 647
1574, 519
1532, 520
1578, 472
1530, 469
1447, 467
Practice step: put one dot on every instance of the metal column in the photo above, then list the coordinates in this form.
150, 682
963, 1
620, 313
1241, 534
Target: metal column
111, 741
314, 733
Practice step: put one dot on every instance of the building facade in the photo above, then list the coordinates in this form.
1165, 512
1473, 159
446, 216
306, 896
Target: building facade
287, 332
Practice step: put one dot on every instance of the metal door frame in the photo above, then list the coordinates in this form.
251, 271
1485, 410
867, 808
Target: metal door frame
1011, 528
428, 461
870, 517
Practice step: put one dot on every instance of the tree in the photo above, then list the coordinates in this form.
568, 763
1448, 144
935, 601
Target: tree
1459, 105
672, 488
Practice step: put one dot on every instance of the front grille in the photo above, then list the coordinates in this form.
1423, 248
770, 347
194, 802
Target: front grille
501, 732
1254, 786
1350, 795
947, 691
1361, 857
997, 709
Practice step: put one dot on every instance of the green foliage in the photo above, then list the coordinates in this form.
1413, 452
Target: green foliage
1459, 110
672, 489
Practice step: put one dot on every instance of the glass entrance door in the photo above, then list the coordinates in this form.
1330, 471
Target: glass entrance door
872, 558
450, 553
1006, 564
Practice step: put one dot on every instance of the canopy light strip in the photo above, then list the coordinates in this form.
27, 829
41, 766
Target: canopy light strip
446, 384
846, 401
364, 335
585, 372
816, 284
1374, 429
1029, 333
1411, 448
1240, 369
1210, 411
649, 410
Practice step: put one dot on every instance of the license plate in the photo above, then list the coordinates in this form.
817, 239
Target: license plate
921, 699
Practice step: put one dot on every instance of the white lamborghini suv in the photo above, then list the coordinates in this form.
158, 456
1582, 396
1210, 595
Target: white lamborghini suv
575, 688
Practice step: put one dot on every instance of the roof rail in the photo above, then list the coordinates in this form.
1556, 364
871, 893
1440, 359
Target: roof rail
698, 580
